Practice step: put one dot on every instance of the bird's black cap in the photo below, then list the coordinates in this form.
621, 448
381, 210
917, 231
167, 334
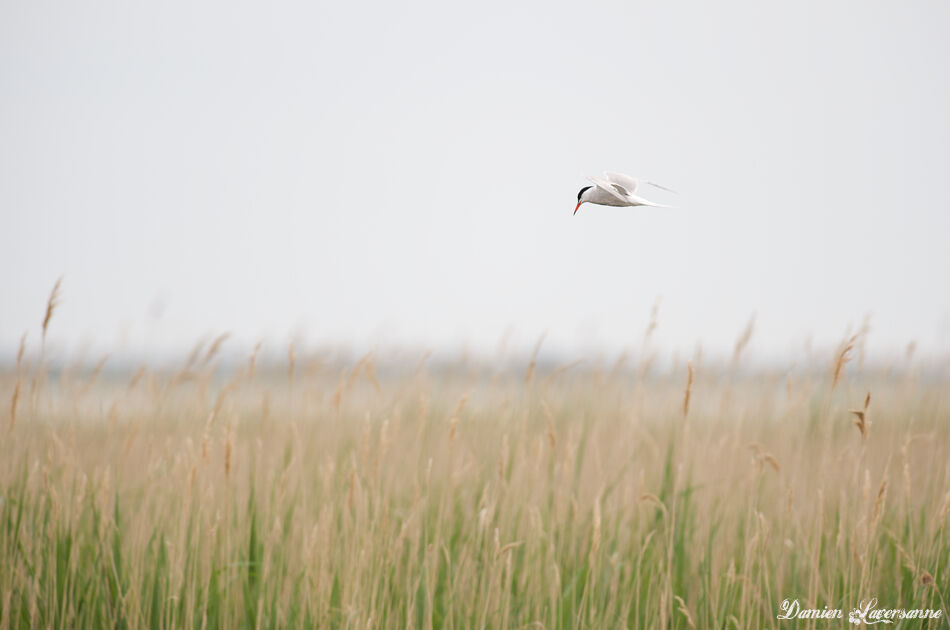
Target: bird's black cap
582, 192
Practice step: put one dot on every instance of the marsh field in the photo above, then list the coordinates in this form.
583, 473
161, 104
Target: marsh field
308, 491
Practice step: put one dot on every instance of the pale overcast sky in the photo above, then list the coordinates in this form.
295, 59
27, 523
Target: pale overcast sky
405, 172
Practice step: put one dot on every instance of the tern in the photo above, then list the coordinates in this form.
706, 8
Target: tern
616, 189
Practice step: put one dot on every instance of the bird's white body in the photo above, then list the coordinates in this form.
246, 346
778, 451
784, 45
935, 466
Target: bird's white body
600, 197
616, 189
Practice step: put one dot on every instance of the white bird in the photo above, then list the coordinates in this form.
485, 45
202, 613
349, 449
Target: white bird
616, 189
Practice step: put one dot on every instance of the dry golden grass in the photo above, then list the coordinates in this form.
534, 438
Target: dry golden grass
309, 492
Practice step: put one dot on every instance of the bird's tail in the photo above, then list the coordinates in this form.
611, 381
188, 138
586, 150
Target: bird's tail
640, 201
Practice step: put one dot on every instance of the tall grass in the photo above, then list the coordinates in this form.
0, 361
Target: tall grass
312, 495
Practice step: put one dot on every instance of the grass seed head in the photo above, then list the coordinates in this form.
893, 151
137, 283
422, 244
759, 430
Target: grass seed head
689, 387
841, 359
215, 347
743, 340
51, 305
20, 352
861, 417
13, 404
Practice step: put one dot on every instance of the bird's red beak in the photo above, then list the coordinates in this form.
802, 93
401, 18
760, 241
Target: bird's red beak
577, 206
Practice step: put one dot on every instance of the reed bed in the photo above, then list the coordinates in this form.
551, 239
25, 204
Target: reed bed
306, 493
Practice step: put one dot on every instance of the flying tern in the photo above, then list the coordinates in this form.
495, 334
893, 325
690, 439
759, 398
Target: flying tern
616, 189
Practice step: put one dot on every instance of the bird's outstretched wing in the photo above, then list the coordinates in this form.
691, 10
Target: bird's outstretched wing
617, 190
631, 183
655, 185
